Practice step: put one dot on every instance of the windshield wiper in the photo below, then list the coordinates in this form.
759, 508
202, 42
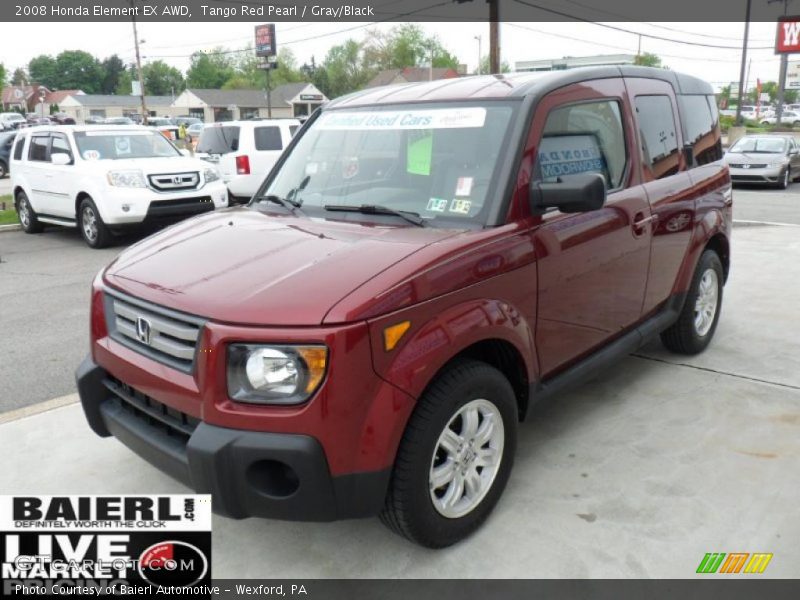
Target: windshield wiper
285, 202
375, 209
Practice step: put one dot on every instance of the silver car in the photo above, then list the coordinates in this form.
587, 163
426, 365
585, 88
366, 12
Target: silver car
770, 159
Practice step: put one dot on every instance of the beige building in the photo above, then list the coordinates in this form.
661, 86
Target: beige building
81, 107
289, 100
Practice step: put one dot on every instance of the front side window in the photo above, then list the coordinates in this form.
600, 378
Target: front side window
120, 145
60, 145
658, 135
38, 149
436, 160
585, 137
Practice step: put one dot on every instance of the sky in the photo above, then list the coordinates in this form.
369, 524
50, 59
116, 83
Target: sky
173, 43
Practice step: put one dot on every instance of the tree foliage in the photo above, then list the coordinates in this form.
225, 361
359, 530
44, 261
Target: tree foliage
2, 76
210, 70
648, 59
113, 70
160, 79
20, 77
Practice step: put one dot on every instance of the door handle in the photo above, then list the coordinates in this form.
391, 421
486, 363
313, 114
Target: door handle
640, 222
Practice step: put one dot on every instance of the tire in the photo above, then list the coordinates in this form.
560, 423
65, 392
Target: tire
466, 387
692, 333
785, 179
93, 230
26, 215
3, 169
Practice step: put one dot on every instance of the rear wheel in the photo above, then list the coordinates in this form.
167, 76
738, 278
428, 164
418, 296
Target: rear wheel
695, 327
455, 457
93, 229
27, 216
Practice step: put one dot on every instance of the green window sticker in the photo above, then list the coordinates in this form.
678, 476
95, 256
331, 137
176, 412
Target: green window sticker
419, 152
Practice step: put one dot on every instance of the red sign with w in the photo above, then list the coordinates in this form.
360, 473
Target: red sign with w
788, 37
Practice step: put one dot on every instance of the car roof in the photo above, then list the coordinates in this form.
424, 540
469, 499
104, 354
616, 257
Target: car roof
511, 86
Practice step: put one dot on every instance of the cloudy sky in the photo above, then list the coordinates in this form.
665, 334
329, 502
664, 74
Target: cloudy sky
174, 43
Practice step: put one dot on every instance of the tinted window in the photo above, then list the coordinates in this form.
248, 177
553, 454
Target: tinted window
700, 128
60, 145
219, 140
293, 129
268, 138
38, 149
658, 136
586, 137
18, 148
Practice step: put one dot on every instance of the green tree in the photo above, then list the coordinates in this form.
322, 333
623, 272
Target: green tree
42, 70
126, 77
20, 77
648, 59
504, 67
113, 70
248, 76
2, 76
160, 79
346, 69
405, 46
78, 70
210, 70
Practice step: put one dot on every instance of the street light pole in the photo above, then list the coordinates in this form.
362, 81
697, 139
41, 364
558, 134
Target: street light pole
744, 63
782, 73
478, 37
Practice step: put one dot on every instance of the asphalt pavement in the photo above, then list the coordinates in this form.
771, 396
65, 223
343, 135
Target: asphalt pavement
639, 473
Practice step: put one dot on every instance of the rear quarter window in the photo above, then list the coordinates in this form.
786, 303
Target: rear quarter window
18, 147
268, 138
219, 140
701, 127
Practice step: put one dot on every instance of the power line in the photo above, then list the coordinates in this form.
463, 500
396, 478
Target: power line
624, 30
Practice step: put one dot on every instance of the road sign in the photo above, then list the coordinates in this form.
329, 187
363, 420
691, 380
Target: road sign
793, 75
787, 39
265, 40
267, 62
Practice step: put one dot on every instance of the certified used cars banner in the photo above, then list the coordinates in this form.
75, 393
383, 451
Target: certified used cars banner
105, 545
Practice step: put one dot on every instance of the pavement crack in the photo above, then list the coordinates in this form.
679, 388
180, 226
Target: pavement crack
718, 372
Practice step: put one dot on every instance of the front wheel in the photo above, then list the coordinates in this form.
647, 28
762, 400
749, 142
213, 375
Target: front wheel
785, 179
455, 457
695, 327
93, 229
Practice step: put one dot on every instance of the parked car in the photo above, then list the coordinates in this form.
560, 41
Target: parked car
193, 132
94, 121
62, 119
12, 120
6, 142
40, 121
188, 121
245, 151
103, 179
418, 269
118, 121
787, 118
771, 159
167, 126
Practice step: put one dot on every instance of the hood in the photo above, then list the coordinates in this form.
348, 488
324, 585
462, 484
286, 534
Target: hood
747, 158
247, 267
154, 166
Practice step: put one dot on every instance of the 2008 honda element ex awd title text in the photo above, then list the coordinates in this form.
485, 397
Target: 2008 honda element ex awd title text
423, 263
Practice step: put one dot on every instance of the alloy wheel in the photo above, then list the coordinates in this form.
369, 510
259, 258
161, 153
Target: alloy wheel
24, 212
89, 222
466, 459
705, 307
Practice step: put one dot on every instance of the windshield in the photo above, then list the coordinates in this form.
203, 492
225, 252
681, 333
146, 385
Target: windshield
113, 145
771, 145
219, 140
436, 160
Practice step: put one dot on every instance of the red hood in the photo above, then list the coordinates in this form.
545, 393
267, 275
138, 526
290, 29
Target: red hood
243, 266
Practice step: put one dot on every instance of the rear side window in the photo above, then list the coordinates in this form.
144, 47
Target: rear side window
18, 147
586, 137
268, 138
658, 136
38, 149
700, 127
219, 140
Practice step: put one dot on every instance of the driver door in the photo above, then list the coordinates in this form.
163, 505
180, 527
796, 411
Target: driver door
592, 266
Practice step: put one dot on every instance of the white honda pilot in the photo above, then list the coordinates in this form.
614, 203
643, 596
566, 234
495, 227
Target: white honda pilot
102, 179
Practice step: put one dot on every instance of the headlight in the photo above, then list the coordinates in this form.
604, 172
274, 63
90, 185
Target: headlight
130, 179
210, 175
275, 374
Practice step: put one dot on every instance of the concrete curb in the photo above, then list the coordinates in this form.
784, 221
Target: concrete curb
740, 223
38, 408
11, 227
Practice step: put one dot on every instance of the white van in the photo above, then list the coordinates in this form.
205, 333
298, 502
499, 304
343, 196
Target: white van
245, 151
102, 179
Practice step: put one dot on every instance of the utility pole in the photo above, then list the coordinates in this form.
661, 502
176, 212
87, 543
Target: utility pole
782, 72
139, 65
269, 91
494, 36
744, 63
480, 55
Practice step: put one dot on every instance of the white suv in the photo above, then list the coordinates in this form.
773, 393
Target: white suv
104, 178
245, 151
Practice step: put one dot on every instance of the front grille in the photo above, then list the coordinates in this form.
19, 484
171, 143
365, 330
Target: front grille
750, 166
170, 421
162, 334
179, 207
174, 182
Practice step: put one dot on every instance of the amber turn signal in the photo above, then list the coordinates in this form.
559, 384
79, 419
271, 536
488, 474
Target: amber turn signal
392, 335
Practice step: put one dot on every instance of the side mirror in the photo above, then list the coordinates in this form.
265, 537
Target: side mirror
794, 152
570, 194
60, 159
